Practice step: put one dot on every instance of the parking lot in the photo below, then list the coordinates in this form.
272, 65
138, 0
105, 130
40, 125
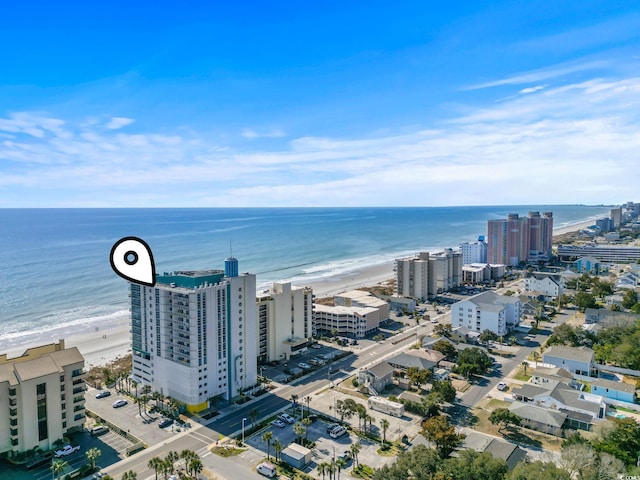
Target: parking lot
128, 418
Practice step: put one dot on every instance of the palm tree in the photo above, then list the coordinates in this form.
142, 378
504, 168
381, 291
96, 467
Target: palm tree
331, 469
266, 437
306, 422
308, 400
195, 466
155, 464
384, 424
57, 467
299, 430
135, 388
340, 464
92, 454
536, 356
253, 415
167, 467
294, 401
355, 450
172, 457
130, 475
187, 456
323, 468
277, 448
524, 365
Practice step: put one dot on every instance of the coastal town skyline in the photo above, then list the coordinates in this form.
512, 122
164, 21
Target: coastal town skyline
335, 105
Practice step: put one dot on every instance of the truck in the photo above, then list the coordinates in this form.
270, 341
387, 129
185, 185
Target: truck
384, 405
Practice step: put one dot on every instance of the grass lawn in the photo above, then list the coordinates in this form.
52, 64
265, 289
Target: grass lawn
362, 471
521, 376
228, 451
495, 403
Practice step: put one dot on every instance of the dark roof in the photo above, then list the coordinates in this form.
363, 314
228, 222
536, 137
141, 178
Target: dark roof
380, 370
404, 360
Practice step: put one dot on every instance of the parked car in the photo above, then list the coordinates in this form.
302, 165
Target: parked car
338, 432
304, 366
278, 423
346, 456
502, 386
98, 430
66, 450
165, 423
332, 426
267, 469
286, 418
119, 403
317, 346
103, 394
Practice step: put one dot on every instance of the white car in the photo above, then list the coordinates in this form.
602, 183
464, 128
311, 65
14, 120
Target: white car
66, 450
338, 432
278, 423
502, 386
304, 366
317, 346
119, 403
286, 418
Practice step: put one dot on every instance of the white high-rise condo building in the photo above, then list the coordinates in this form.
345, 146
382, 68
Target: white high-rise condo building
41, 397
474, 252
285, 315
194, 334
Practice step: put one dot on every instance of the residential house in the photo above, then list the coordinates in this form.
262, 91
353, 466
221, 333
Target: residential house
628, 281
578, 360
539, 418
376, 377
479, 442
590, 265
549, 285
620, 391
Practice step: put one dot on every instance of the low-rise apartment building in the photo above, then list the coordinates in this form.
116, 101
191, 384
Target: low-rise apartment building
550, 286
350, 321
487, 311
41, 397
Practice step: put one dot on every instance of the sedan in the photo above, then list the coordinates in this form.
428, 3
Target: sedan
502, 386
304, 366
278, 423
317, 346
103, 393
119, 403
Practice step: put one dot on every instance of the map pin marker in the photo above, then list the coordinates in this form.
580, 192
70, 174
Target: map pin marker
131, 258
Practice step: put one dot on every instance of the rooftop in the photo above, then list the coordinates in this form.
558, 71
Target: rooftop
579, 354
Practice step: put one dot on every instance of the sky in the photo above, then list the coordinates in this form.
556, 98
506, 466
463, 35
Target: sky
334, 103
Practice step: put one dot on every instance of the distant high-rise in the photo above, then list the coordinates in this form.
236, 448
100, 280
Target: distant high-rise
616, 217
194, 334
474, 252
517, 239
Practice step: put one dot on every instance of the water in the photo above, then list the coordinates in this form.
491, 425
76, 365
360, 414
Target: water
55, 271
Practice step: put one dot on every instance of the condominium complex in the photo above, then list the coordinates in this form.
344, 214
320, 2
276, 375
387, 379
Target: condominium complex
41, 397
355, 313
428, 274
194, 334
487, 311
520, 239
602, 253
285, 316
474, 252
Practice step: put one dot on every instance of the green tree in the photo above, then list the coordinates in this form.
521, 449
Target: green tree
442, 434
58, 467
299, 430
277, 448
442, 330
129, 475
537, 471
92, 455
503, 418
584, 300
623, 441
323, 469
355, 448
420, 463
340, 464
487, 336
155, 464
418, 376
446, 348
470, 464
253, 415
187, 456
384, 424
629, 299
444, 390
195, 467
524, 365
473, 361
171, 458
266, 438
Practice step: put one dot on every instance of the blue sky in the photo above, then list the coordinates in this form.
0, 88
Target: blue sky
117, 104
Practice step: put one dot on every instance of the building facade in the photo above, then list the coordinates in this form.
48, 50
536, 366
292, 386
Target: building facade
412, 276
194, 334
602, 253
351, 321
41, 397
487, 311
474, 252
285, 321
520, 239
550, 286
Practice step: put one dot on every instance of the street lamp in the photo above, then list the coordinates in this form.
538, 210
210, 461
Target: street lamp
243, 421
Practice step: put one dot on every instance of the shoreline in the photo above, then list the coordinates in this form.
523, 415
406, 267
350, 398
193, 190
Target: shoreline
98, 350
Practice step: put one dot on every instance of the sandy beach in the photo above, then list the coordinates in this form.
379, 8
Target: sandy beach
103, 343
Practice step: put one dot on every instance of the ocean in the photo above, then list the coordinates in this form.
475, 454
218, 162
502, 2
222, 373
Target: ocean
55, 270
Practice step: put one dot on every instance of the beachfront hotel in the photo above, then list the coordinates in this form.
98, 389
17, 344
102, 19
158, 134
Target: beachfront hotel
285, 316
520, 239
355, 313
194, 334
41, 397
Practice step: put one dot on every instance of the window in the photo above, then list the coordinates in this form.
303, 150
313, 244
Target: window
41, 402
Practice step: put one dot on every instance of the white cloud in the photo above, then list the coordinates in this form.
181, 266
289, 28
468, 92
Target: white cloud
532, 89
118, 122
253, 134
572, 144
